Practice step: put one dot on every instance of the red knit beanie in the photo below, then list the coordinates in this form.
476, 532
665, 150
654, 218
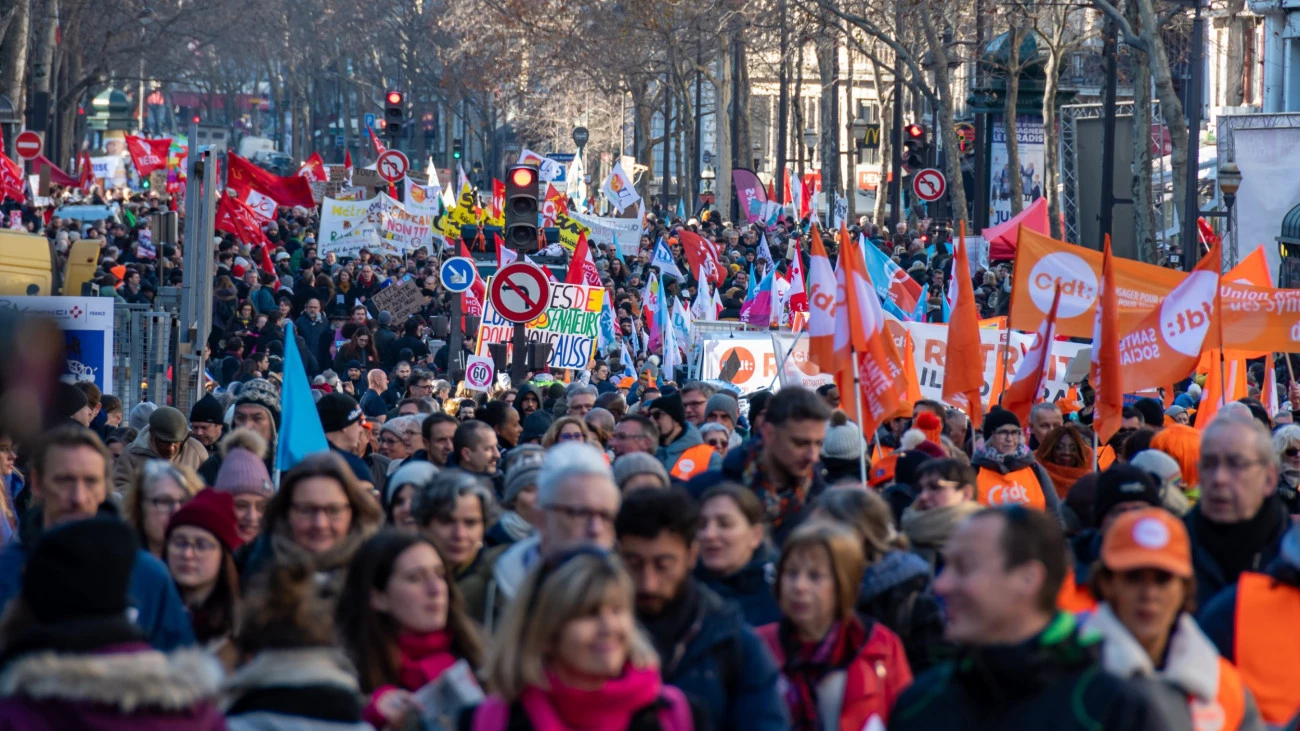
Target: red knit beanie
212, 511
930, 425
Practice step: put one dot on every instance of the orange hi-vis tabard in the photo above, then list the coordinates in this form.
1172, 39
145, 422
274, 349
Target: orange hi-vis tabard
1020, 487
1267, 647
693, 461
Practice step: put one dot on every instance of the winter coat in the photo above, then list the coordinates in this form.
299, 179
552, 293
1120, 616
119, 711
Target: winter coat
121, 684
866, 686
318, 335
725, 669
896, 591
305, 689
1210, 578
1053, 680
1010, 463
1218, 616
264, 301
750, 588
690, 437
156, 608
192, 455
477, 589
1189, 679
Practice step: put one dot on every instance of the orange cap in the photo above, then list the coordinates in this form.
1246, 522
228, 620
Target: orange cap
626, 382
1150, 538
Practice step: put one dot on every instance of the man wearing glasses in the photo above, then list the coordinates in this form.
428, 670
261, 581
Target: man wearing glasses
1008, 472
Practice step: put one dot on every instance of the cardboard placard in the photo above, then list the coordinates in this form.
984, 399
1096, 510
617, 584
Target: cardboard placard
402, 300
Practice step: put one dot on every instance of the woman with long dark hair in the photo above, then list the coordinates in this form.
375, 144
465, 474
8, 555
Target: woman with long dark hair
401, 621
361, 348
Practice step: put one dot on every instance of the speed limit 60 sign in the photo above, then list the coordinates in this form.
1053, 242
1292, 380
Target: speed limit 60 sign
479, 371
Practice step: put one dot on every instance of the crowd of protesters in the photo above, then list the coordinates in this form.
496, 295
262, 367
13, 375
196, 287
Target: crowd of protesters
622, 548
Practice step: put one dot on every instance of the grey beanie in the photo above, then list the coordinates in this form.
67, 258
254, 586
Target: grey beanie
638, 463
843, 438
723, 402
412, 472
140, 414
521, 467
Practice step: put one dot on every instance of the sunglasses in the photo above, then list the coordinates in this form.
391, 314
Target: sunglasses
1291, 452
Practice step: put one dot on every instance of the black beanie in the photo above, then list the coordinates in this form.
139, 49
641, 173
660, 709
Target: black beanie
207, 410
998, 418
1123, 483
1152, 411
68, 400
672, 406
80, 570
337, 411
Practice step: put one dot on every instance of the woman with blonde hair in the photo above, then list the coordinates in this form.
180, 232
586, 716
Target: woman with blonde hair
156, 493
570, 654
566, 429
841, 669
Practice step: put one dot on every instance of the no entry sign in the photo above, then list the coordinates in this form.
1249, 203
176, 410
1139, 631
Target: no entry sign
520, 292
27, 145
392, 165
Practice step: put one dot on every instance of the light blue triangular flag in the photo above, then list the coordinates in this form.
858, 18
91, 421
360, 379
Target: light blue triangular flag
301, 432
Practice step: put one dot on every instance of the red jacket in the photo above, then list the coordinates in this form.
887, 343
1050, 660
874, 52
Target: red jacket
868, 686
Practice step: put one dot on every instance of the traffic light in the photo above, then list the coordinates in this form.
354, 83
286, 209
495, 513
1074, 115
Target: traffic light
394, 112
457, 150
522, 207
915, 147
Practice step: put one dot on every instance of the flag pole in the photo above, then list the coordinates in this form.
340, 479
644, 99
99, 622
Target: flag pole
1290, 372
857, 398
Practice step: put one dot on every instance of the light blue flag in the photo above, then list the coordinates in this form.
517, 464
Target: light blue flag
606, 321
629, 368
922, 304
947, 311
663, 258
752, 288
681, 209
880, 267
301, 433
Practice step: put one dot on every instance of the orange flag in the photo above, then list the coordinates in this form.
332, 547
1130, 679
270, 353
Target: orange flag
1227, 371
821, 306
1104, 376
1034, 369
869, 367
1166, 345
962, 384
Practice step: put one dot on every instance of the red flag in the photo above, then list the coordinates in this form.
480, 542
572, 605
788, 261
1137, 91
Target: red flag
797, 298
1105, 374
963, 381
498, 199
347, 160
148, 155
582, 270
700, 253
234, 216
313, 169
374, 139
11, 179
1035, 367
85, 172
553, 205
771, 190
263, 191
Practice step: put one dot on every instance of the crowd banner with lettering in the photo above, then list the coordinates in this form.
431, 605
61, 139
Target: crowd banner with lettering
401, 300
571, 325
87, 325
111, 169
380, 224
625, 233
570, 230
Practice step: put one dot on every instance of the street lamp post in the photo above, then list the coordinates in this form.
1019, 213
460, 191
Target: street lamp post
1229, 181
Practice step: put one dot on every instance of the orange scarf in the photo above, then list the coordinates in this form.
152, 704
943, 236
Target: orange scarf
1063, 478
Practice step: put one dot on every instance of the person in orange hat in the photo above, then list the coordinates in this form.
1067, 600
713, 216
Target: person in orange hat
1147, 588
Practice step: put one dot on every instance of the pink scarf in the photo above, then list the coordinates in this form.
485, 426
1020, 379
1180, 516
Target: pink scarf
569, 709
424, 657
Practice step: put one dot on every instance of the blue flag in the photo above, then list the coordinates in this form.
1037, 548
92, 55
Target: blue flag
301, 433
753, 284
681, 209
922, 304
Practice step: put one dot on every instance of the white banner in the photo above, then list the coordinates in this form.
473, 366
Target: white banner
622, 232
111, 169
758, 356
380, 224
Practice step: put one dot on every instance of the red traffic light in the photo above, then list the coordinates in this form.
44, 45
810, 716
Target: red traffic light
196, 119
395, 98
523, 177
915, 131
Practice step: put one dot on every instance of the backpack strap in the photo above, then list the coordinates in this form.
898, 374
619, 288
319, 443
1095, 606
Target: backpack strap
674, 711
491, 715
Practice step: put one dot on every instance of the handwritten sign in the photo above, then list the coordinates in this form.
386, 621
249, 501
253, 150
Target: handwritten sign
570, 324
401, 300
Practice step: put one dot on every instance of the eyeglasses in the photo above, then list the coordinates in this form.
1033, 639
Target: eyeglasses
577, 514
331, 512
1234, 465
164, 504
1291, 452
200, 545
570, 436
1007, 433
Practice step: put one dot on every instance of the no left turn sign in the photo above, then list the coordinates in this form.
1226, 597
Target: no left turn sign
392, 165
929, 185
520, 292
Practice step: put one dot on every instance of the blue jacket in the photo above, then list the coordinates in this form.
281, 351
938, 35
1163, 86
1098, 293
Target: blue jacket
726, 669
750, 588
155, 605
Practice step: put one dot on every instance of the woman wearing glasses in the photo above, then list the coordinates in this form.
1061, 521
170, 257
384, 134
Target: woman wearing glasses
570, 655
156, 493
566, 429
320, 515
201, 541
945, 496
1008, 474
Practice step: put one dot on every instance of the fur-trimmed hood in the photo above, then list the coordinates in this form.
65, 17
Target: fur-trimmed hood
129, 682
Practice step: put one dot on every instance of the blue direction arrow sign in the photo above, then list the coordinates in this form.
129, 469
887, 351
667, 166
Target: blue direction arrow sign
457, 274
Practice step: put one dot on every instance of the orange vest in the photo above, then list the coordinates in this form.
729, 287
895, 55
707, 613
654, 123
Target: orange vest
1019, 487
1228, 708
693, 462
1074, 598
1267, 647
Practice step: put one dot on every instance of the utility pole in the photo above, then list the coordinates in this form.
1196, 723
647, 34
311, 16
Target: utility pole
1192, 203
1107, 213
896, 180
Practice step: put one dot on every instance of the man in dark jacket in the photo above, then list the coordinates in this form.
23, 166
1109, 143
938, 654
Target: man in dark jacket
707, 649
315, 331
1021, 664
1238, 523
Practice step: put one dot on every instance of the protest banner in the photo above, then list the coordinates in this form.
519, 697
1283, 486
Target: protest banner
347, 227
570, 324
111, 169
401, 300
757, 358
570, 230
401, 230
625, 233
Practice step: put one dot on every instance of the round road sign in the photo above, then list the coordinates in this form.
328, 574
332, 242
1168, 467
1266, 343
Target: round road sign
520, 292
392, 165
479, 371
929, 185
457, 274
27, 145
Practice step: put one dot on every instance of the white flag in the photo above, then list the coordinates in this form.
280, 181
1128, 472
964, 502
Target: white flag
618, 188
